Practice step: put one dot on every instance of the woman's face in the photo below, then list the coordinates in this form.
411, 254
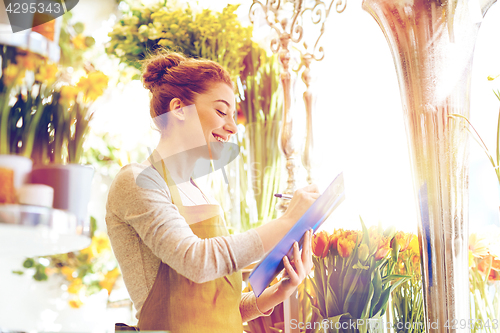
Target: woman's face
216, 110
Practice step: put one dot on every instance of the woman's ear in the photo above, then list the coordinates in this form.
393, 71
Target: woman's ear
176, 107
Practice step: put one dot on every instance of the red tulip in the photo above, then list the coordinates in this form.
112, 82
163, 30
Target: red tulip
321, 244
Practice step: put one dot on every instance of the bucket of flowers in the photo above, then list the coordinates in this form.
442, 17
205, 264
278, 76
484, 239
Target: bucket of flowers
353, 279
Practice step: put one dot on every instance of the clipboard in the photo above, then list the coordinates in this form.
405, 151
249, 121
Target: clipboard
313, 218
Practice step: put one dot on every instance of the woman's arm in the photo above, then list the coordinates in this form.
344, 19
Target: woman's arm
157, 222
272, 232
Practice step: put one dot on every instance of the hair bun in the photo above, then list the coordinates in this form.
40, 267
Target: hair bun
155, 68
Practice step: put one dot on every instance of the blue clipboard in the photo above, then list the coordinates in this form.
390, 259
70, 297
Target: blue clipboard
262, 275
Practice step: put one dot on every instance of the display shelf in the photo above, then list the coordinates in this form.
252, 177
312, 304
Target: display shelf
30, 41
36, 231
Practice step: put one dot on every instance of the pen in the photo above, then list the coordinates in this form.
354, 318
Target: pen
283, 196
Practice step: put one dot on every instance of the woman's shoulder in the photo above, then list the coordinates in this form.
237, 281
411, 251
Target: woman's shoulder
137, 177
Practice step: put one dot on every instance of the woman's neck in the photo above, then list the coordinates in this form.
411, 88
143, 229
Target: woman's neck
179, 160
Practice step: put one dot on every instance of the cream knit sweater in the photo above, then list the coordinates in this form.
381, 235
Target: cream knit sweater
144, 227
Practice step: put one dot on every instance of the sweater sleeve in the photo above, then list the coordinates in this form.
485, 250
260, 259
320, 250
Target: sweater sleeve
249, 309
144, 203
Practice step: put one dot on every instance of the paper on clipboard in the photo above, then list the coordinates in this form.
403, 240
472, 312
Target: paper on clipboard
320, 210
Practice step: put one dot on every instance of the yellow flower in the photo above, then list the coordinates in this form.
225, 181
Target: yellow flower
101, 242
75, 286
68, 272
471, 259
75, 303
68, 95
491, 78
47, 74
79, 42
13, 75
90, 252
109, 280
414, 247
93, 85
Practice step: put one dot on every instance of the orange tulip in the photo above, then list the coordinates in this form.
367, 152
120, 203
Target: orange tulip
345, 246
384, 247
402, 239
320, 244
334, 238
493, 265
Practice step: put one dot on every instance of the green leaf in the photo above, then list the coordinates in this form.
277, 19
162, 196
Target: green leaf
28, 263
18, 272
332, 321
334, 302
78, 27
353, 285
359, 265
369, 301
377, 290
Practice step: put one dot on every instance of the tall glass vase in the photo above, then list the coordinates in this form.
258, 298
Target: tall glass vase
432, 43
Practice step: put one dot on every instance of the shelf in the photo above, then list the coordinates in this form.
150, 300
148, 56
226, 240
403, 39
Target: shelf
38, 231
31, 41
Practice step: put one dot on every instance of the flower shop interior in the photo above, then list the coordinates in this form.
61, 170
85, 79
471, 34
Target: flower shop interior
396, 101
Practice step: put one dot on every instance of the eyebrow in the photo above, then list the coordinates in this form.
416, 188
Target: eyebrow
223, 101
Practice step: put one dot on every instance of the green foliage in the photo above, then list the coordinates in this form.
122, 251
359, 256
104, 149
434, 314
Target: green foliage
261, 106
211, 35
72, 42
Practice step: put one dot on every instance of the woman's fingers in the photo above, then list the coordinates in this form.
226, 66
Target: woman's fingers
311, 188
289, 271
297, 259
306, 247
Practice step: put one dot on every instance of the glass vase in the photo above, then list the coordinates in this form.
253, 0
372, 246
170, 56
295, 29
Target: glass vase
432, 43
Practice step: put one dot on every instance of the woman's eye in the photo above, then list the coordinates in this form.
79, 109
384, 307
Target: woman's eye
221, 113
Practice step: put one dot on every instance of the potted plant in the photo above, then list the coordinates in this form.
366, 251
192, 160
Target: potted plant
59, 147
27, 80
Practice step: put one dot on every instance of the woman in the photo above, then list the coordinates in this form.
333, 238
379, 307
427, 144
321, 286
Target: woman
179, 264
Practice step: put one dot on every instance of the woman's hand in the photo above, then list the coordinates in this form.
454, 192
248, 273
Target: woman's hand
271, 233
299, 268
295, 272
302, 199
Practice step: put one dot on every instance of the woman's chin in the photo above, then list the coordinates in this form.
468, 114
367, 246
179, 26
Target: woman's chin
215, 150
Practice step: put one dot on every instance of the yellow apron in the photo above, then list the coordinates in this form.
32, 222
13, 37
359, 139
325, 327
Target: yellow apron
177, 304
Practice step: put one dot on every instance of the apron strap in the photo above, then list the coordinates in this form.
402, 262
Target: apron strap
174, 192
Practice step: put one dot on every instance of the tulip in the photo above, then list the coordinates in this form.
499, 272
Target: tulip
363, 252
402, 239
334, 238
345, 246
383, 248
320, 244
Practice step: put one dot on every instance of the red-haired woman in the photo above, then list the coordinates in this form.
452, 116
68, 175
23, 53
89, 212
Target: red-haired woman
180, 265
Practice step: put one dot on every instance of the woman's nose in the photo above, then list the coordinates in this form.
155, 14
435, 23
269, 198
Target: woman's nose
231, 127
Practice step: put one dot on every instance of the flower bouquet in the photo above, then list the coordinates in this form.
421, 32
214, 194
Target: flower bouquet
407, 299
484, 278
353, 278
